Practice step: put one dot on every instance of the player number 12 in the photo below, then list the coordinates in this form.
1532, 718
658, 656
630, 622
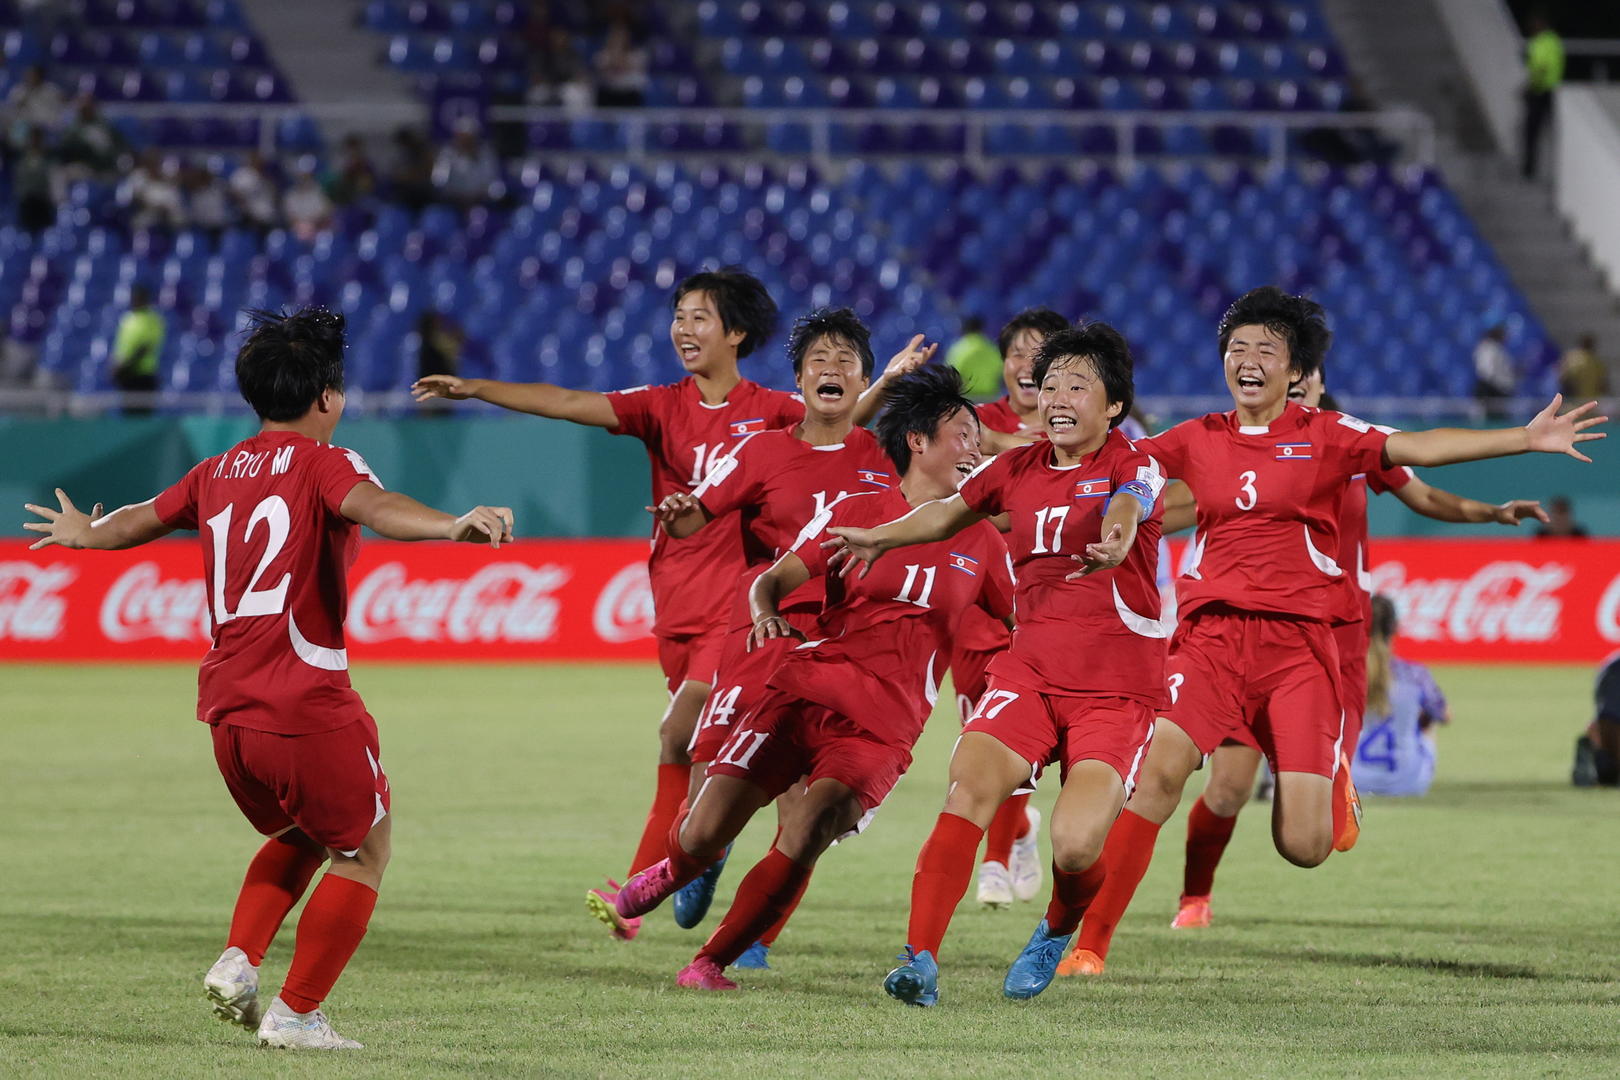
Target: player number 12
255, 601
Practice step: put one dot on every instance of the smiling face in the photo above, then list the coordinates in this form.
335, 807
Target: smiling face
1018, 369
945, 460
701, 340
831, 378
1259, 368
1075, 410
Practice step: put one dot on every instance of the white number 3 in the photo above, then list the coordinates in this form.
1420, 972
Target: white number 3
1248, 478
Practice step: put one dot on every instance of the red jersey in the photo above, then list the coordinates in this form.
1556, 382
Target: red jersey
999, 416
1269, 505
276, 554
879, 648
685, 436
781, 485
1098, 635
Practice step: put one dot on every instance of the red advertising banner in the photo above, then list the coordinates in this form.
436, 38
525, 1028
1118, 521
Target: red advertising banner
1501, 601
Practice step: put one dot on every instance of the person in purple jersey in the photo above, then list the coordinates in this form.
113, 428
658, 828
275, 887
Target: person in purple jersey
1396, 754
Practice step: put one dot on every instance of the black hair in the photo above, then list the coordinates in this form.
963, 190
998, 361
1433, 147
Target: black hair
1108, 353
1043, 320
741, 299
1384, 619
918, 403
1298, 320
840, 323
288, 360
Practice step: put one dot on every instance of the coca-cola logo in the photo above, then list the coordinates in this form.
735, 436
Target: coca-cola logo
504, 601
31, 602
1501, 601
142, 604
1608, 612
624, 610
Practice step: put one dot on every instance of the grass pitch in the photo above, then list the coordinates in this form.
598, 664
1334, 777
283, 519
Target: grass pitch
1471, 933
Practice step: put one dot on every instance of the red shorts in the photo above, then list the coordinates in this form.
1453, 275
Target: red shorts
1267, 681
690, 657
1352, 641
786, 738
1042, 728
970, 677
330, 784
738, 686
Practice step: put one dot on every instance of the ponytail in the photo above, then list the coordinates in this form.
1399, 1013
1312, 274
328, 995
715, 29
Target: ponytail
1382, 629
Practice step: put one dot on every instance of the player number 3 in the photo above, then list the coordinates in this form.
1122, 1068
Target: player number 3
1253, 496
255, 601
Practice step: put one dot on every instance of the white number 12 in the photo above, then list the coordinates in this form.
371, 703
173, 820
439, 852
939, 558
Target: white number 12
255, 601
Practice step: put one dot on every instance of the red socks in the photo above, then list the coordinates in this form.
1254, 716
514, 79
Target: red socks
1009, 824
1126, 855
329, 931
944, 869
672, 785
770, 887
1072, 894
275, 881
768, 938
1207, 837
683, 865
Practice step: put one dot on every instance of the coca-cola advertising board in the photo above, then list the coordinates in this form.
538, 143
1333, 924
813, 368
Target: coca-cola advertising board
1466, 600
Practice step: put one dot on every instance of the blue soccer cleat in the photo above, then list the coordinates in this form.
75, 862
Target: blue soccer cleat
757, 956
692, 900
1035, 967
916, 980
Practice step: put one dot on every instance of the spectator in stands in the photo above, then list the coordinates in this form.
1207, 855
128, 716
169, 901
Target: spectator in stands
150, 194
1544, 71
1494, 378
466, 174
977, 359
90, 146
208, 206
1581, 375
31, 184
410, 175
440, 341
253, 190
354, 179
1562, 524
137, 349
305, 207
621, 68
557, 76
34, 104
1597, 753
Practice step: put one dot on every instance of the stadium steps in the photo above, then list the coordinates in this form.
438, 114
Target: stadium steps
331, 60
1419, 67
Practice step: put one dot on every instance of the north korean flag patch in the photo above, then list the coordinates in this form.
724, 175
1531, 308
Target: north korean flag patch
1093, 489
965, 563
1294, 451
875, 478
739, 428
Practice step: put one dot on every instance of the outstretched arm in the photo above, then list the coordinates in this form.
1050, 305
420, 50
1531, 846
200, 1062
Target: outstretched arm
540, 399
70, 527
396, 516
1433, 502
1118, 534
992, 442
1548, 433
1180, 508
904, 362
764, 596
931, 521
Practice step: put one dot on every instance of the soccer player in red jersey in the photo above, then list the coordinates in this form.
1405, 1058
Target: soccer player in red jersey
1082, 501
1234, 764
1255, 650
846, 703
774, 482
281, 512
718, 317
1011, 866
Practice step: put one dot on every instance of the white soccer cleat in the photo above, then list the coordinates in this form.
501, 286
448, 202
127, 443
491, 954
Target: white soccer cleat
1026, 859
232, 986
995, 885
283, 1029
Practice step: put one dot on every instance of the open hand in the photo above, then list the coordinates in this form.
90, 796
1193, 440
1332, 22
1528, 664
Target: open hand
68, 527
910, 358
445, 386
1551, 433
483, 524
673, 506
1105, 554
850, 548
770, 628
1517, 510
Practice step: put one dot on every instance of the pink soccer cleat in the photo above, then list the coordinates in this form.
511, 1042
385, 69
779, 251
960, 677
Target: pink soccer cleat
645, 891
600, 903
1192, 914
704, 974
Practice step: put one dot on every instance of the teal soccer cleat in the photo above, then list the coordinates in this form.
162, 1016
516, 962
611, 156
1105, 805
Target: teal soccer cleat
692, 900
916, 980
1035, 967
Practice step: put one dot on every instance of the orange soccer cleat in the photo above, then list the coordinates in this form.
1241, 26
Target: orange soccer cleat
1081, 962
1346, 789
1193, 915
